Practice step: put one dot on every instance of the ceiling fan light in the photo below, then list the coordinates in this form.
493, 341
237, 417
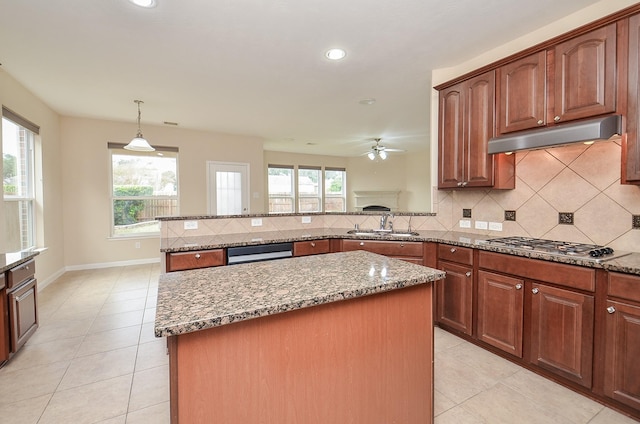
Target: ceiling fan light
371, 155
382, 154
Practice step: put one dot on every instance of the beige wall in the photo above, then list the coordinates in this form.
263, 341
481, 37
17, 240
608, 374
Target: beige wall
85, 171
49, 183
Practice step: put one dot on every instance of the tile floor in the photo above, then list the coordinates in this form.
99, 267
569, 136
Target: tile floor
95, 359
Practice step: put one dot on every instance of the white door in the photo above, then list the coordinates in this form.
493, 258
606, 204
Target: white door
228, 188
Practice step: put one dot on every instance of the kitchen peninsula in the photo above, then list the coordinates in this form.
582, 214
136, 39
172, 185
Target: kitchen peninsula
341, 337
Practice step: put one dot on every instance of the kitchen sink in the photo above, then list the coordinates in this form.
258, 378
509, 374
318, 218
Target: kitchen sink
383, 233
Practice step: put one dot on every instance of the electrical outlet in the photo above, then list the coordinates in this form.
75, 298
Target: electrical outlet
465, 223
256, 222
481, 225
495, 226
306, 220
137, 245
190, 225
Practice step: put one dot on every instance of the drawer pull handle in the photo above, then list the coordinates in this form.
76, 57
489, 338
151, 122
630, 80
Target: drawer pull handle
197, 256
540, 122
518, 286
468, 274
453, 250
313, 244
535, 291
361, 243
611, 309
24, 295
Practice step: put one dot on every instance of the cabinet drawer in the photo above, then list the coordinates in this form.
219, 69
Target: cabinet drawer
21, 273
534, 269
180, 261
625, 286
387, 248
312, 247
461, 255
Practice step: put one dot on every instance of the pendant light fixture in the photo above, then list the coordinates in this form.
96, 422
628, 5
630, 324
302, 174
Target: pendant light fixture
139, 144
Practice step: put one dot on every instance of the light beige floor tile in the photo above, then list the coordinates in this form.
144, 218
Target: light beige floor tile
45, 353
123, 306
459, 415
441, 403
122, 419
101, 366
126, 285
149, 315
609, 416
156, 414
152, 354
150, 387
127, 295
50, 331
147, 334
444, 340
114, 321
30, 382
90, 403
573, 407
24, 412
152, 301
109, 340
483, 361
459, 381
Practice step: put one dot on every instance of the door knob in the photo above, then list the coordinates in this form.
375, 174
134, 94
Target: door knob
535, 291
611, 309
518, 286
468, 274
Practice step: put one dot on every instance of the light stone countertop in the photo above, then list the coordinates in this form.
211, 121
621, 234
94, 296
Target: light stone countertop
195, 300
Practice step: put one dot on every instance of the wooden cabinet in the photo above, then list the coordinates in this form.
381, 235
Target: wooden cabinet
521, 94
311, 247
585, 76
622, 340
631, 143
4, 322
562, 332
180, 261
454, 293
500, 311
466, 123
22, 296
410, 251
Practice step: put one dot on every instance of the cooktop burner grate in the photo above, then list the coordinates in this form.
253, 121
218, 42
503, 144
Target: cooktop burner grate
582, 250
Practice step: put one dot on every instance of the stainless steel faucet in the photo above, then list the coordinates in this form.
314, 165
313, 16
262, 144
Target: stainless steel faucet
384, 219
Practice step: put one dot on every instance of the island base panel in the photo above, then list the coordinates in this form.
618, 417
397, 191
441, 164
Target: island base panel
364, 360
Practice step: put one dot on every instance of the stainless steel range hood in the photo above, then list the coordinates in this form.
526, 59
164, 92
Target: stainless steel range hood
574, 132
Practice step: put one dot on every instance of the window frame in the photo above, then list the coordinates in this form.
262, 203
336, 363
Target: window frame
319, 192
118, 149
292, 197
343, 194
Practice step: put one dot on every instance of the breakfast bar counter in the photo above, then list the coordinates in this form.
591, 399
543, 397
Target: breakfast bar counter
342, 337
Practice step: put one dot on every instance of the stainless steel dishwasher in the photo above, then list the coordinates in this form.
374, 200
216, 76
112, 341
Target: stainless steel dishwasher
263, 252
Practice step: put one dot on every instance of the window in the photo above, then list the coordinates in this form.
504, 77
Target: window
335, 193
281, 195
18, 139
309, 189
144, 185
286, 183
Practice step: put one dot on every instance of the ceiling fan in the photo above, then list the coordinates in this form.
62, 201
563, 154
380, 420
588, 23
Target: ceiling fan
379, 151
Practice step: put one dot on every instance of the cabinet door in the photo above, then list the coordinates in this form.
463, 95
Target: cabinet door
180, 261
451, 137
479, 128
500, 311
4, 323
622, 350
521, 94
631, 146
562, 332
585, 75
23, 314
454, 301
313, 247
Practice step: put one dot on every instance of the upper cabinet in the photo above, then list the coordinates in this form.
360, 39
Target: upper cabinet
631, 145
573, 80
467, 122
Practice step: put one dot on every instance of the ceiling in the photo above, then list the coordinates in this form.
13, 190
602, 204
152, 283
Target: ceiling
257, 67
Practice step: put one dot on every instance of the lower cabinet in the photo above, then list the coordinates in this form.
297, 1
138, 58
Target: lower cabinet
23, 313
562, 332
454, 297
501, 311
311, 247
410, 251
181, 261
4, 322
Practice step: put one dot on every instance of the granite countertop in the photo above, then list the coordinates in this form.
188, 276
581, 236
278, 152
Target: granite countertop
13, 259
629, 264
205, 298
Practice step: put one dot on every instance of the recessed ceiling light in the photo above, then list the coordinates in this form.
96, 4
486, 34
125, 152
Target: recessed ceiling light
144, 3
367, 102
335, 54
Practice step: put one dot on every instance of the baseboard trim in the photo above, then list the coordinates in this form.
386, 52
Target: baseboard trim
112, 264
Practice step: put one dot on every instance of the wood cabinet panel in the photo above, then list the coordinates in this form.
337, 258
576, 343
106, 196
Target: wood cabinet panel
631, 143
21, 273
312, 247
24, 315
562, 332
521, 94
624, 286
500, 311
479, 128
180, 261
454, 297
585, 75
387, 248
451, 138
561, 274
4, 322
461, 255
622, 350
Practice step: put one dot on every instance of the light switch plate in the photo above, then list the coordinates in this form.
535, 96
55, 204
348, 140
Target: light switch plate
465, 223
306, 220
256, 222
481, 225
190, 225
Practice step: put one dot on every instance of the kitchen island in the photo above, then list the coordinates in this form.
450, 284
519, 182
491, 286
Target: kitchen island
342, 337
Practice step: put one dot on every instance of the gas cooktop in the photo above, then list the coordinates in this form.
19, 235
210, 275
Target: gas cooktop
590, 252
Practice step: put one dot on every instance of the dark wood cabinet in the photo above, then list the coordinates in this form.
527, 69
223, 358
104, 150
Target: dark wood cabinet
562, 332
311, 247
180, 261
4, 322
454, 293
585, 76
410, 251
521, 94
501, 311
631, 143
466, 123
22, 302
